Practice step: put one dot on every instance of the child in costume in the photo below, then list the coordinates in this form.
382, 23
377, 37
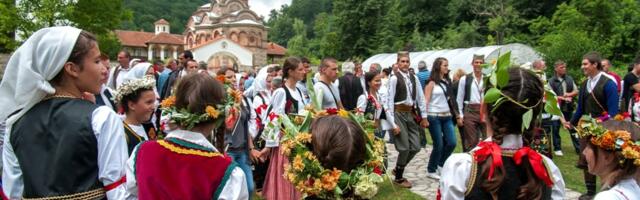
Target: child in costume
192, 168
138, 101
613, 154
504, 166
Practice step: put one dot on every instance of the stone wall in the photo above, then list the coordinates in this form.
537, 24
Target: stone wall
4, 59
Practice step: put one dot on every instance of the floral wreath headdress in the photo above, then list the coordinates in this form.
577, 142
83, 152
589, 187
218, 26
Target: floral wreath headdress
498, 75
305, 170
218, 112
612, 140
130, 87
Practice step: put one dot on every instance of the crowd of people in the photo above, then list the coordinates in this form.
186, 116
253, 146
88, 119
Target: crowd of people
65, 108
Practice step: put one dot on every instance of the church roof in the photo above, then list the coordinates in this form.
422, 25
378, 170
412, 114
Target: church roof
275, 49
162, 21
140, 38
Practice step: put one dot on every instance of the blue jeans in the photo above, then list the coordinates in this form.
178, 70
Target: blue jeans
242, 159
444, 141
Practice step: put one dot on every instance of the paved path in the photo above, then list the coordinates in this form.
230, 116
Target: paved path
416, 173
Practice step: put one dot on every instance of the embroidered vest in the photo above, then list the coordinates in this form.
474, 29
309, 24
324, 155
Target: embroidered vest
590, 106
57, 148
177, 169
401, 88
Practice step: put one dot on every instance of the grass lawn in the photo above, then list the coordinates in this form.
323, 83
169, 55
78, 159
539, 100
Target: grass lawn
388, 191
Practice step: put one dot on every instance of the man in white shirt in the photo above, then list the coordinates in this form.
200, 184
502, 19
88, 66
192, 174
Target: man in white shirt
302, 85
470, 95
330, 96
408, 114
117, 74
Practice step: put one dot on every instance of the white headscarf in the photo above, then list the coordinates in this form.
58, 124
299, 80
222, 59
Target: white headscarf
260, 82
138, 71
31, 67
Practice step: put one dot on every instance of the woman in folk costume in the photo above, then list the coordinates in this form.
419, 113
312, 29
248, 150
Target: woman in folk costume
613, 154
504, 166
51, 129
371, 105
192, 168
285, 100
261, 100
138, 102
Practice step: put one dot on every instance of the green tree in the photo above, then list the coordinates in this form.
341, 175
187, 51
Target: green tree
389, 35
356, 24
298, 45
326, 41
8, 25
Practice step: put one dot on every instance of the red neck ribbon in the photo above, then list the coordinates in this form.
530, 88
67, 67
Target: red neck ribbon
489, 149
536, 163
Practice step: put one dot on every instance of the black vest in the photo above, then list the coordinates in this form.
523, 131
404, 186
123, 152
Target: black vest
514, 178
57, 148
589, 104
291, 105
556, 85
401, 87
133, 139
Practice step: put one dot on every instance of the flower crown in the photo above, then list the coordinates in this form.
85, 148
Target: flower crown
132, 86
212, 112
305, 170
618, 140
183, 117
498, 75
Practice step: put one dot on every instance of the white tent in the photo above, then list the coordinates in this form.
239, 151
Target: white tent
459, 58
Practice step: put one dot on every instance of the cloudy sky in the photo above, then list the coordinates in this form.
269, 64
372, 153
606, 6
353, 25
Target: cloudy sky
263, 7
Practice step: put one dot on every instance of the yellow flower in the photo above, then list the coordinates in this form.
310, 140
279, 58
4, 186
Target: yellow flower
168, 102
636, 162
309, 155
624, 135
298, 120
629, 153
285, 147
303, 137
212, 112
298, 165
343, 113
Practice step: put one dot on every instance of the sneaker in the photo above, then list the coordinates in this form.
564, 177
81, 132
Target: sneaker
558, 153
404, 183
433, 175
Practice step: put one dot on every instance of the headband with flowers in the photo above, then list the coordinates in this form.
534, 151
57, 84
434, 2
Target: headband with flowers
612, 140
305, 170
228, 109
130, 87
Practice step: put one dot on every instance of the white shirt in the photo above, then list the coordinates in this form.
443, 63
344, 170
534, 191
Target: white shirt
475, 90
122, 74
139, 130
257, 102
235, 188
278, 103
112, 156
592, 82
362, 105
393, 81
457, 170
326, 96
626, 189
438, 102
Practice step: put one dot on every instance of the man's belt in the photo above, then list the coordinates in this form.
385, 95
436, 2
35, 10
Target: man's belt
403, 108
472, 108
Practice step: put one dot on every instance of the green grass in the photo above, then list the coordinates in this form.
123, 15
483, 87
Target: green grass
387, 191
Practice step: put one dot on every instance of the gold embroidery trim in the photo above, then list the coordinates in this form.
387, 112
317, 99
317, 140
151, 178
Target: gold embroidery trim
472, 177
91, 194
187, 151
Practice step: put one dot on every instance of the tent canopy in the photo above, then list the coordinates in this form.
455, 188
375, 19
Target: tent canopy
459, 58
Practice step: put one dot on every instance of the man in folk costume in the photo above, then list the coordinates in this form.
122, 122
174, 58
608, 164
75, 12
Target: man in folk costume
409, 115
117, 74
59, 146
330, 97
470, 94
598, 97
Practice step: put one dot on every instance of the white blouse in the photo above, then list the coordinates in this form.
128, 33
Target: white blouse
626, 189
362, 105
235, 188
457, 169
438, 102
278, 104
112, 156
